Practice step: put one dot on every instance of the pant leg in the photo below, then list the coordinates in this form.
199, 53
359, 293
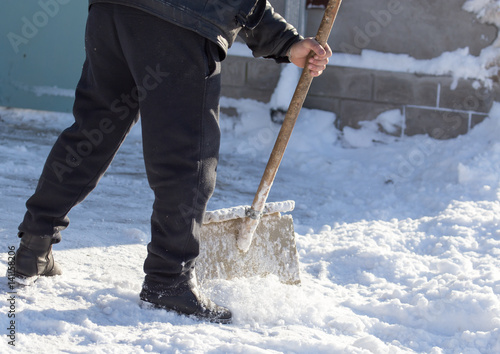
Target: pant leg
103, 117
179, 104
181, 173
176, 81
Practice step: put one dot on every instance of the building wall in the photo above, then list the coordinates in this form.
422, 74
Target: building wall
42, 52
423, 29
428, 104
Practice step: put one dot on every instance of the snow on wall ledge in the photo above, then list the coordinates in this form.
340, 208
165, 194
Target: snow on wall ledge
459, 64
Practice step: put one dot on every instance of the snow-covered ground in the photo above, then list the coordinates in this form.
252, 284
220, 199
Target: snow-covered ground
399, 244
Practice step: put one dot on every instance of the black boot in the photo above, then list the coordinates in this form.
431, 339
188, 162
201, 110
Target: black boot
185, 299
34, 258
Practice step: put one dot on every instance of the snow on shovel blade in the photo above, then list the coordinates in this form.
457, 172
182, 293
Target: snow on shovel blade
273, 249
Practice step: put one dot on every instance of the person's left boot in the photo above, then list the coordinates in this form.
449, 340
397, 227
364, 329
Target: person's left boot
34, 259
185, 299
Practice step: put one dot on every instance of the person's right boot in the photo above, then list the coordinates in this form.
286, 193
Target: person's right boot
185, 299
34, 259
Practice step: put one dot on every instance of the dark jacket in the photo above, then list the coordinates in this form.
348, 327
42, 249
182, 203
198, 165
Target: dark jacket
265, 32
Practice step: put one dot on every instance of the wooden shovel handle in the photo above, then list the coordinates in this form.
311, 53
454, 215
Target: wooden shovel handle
250, 223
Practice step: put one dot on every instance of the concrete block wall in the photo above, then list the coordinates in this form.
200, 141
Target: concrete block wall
422, 29
249, 77
428, 104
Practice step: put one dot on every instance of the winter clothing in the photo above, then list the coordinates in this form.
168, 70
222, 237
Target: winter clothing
34, 258
185, 299
179, 125
265, 32
162, 58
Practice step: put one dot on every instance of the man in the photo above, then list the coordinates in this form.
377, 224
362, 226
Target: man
160, 58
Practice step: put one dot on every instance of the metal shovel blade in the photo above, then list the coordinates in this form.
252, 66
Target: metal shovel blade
273, 249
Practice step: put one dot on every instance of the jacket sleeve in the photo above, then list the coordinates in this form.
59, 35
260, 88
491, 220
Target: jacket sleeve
272, 37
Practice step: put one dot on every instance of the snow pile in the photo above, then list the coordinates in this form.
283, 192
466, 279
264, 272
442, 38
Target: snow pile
380, 130
399, 244
282, 95
488, 11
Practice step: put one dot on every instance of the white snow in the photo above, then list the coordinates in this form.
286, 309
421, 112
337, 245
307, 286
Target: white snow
459, 64
487, 11
375, 131
398, 238
399, 244
52, 91
283, 93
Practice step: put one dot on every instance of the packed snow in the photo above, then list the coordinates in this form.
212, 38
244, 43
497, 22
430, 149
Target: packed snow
399, 244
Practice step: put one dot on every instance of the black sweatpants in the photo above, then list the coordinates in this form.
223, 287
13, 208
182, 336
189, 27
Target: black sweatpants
136, 62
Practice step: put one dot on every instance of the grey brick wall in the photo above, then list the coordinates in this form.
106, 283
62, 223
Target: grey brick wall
428, 103
421, 28
249, 77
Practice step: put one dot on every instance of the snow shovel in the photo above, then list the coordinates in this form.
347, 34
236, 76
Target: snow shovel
256, 241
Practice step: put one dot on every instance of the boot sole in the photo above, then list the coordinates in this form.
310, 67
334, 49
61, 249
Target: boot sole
149, 305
